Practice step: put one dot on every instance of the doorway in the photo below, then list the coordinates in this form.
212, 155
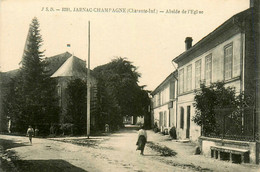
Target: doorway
188, 123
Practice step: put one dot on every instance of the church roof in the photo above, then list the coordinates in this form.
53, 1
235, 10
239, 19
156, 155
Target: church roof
55, 62
73, 67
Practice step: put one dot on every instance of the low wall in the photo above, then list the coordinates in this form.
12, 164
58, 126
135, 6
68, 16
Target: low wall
206, 142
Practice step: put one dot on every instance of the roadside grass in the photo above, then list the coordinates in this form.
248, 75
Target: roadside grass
82, 142
163, 150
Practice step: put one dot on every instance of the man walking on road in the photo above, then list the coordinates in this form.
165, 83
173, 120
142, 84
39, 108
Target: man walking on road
30, 133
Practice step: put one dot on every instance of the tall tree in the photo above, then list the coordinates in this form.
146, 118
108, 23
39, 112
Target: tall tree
119, 92
35, 92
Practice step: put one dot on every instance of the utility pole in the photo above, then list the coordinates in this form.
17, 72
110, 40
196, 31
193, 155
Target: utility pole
88, 83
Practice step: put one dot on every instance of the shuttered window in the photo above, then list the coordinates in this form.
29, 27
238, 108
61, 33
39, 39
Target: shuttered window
172, 90
189, 78
208, 69
181, 81
197, 73
228, 58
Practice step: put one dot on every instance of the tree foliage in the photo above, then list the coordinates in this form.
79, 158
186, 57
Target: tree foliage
32, 98
119, 93
208, 100
77, 105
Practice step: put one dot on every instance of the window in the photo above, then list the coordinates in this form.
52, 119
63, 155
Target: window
182, 118
197, 73
167, 94
228, 58
189, 77
217, 69
208, 69
181, 81
164, 95
172, 90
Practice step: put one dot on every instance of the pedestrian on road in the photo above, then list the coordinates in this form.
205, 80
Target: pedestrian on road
30, 133
36, 131
142, 139
106, 128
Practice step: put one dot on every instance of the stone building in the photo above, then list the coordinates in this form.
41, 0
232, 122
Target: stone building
227, 54
164, 103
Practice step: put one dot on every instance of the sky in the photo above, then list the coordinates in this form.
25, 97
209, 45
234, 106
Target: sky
148, 33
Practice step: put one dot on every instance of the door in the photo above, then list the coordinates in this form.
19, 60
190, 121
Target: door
188, 123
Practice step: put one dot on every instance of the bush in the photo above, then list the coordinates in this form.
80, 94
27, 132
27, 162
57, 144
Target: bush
156, 130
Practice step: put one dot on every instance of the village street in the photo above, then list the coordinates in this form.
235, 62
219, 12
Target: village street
115, 152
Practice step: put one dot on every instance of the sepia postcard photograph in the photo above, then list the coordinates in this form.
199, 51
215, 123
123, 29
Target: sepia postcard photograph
129, 86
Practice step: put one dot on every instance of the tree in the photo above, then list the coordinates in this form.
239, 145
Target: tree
118, 92
14, 104
77, 105
35, 100
143, 103
209, 100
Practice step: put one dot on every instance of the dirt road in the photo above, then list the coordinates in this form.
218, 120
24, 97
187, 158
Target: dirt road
114, 153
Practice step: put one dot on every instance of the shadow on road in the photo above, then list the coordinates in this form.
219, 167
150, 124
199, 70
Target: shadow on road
8, 144
52, 165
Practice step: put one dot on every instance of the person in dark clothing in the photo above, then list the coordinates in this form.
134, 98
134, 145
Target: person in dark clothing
142, 139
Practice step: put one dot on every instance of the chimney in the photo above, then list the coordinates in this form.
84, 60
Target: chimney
188, 42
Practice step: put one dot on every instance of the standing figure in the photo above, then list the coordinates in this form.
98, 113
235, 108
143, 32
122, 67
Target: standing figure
142, 139
36, 131
106, 128
30, 133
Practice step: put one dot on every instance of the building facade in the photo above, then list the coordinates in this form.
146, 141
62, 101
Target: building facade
227, 55
164, 103
65, 68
